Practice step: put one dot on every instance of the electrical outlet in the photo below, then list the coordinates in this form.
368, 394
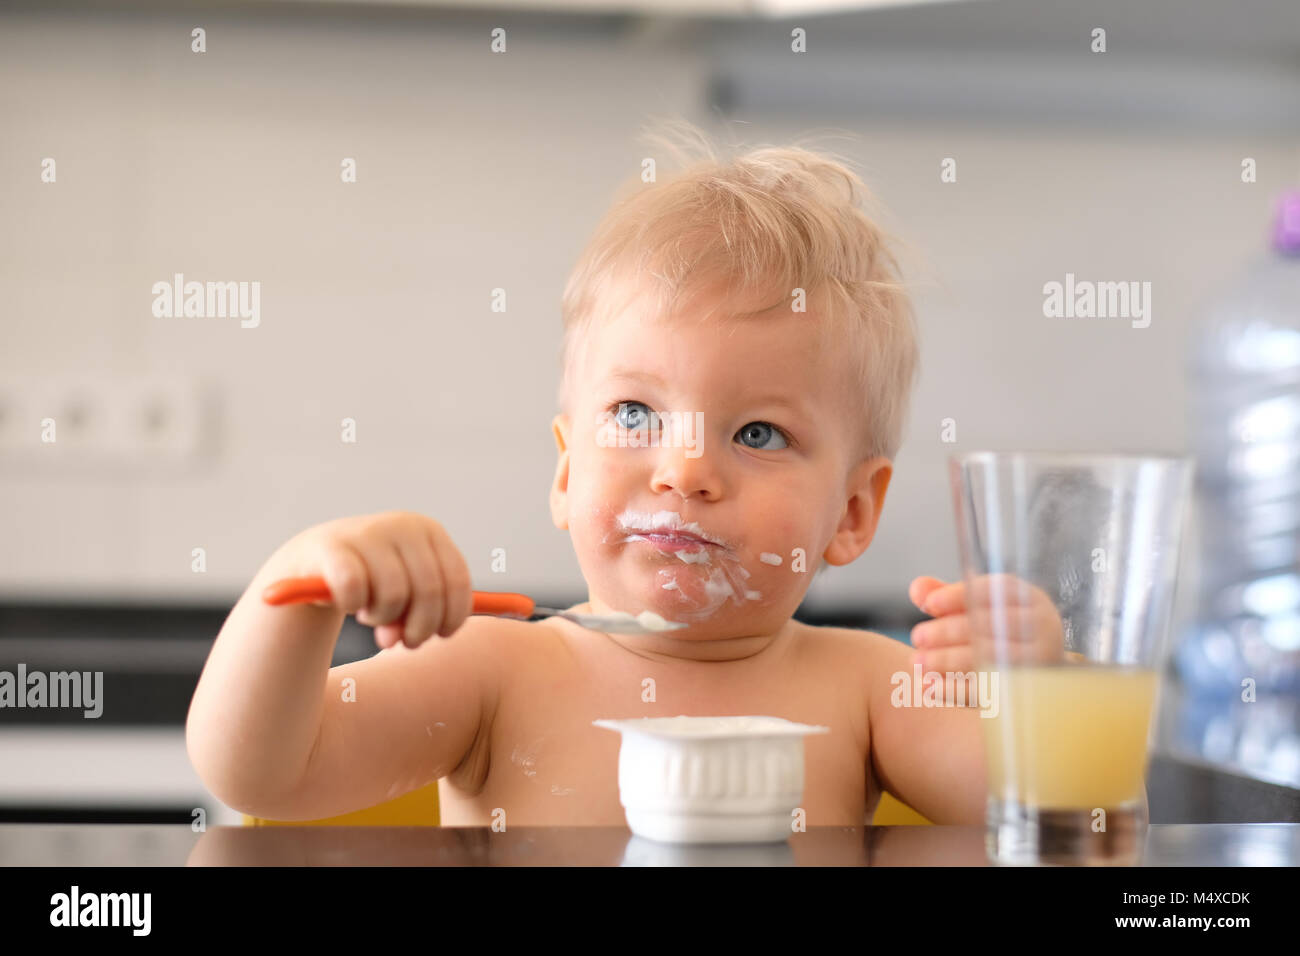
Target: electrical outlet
142, 424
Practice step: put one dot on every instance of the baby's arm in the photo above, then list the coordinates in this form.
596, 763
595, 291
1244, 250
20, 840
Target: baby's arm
930, 758
269, 730
417, 715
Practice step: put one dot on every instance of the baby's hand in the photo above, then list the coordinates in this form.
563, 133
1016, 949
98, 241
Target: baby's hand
387, 567
1033, 628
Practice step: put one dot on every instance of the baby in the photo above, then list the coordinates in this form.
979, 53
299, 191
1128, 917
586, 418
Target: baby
738, 358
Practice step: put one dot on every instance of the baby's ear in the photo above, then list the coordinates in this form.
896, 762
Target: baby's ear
866, 497
560, 428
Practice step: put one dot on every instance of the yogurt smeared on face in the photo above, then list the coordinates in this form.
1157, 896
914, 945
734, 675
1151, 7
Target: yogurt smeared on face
699, 598
707, 573
646, 619
641, 525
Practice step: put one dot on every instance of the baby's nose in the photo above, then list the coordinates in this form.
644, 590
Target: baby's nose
690, 475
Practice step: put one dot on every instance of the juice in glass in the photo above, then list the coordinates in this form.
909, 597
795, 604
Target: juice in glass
1066, 742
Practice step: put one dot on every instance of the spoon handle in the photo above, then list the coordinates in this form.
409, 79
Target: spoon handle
308, 589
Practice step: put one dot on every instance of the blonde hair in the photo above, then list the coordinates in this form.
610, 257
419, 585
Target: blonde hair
766, 222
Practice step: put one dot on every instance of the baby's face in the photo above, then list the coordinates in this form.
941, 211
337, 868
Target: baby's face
731, 440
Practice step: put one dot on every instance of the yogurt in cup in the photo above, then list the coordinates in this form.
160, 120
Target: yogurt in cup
711, 779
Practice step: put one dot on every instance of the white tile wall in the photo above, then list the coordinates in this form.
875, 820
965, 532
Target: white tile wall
102, 769
478, 172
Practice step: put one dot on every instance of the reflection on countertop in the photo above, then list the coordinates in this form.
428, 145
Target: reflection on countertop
1251, 844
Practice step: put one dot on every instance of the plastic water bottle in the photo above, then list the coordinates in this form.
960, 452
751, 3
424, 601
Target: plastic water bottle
1245, 388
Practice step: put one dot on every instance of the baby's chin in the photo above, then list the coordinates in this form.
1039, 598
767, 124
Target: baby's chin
692, 594
729, 621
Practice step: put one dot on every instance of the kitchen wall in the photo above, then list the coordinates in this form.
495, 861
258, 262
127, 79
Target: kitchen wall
478, 171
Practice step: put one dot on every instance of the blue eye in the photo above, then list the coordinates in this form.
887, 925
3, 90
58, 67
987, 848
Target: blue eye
762, 432
638, 420
636, 415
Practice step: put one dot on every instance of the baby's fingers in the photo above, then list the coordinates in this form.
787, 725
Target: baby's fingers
347, 576
942, 632
389, 635
425, 611
457, 593
920, 589
948, 599
989, 590
390, 586
1005, 590
1017, 635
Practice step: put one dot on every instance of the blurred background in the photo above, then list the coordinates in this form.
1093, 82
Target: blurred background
189, 448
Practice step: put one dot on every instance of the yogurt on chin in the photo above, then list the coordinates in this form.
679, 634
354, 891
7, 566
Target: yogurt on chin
646, 619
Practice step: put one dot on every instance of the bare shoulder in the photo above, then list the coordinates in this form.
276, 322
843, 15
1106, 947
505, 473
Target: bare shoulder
493, 647
475, 664
495, 651
867, 647
858, 664
464, 682
873, 659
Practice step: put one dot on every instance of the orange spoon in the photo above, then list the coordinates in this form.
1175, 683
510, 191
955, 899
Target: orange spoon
498, 603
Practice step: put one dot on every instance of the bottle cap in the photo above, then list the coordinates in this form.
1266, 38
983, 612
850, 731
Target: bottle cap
1286, 228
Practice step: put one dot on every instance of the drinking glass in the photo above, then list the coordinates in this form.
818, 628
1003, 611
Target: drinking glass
1069, 563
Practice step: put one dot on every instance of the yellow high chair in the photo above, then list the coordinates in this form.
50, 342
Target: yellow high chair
892, 812
420, 808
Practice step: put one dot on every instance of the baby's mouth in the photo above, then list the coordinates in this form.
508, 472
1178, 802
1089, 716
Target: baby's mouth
696, 592
667, 531
673, 541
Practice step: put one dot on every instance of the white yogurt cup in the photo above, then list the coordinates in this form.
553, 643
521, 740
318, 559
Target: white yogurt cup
711, 779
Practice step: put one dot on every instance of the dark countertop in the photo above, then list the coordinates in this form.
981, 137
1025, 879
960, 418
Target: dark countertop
1223, 844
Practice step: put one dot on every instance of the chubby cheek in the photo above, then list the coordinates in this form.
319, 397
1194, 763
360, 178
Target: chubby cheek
781, 569
768, 573
593, 523
785, 551
786, 533
601, 481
